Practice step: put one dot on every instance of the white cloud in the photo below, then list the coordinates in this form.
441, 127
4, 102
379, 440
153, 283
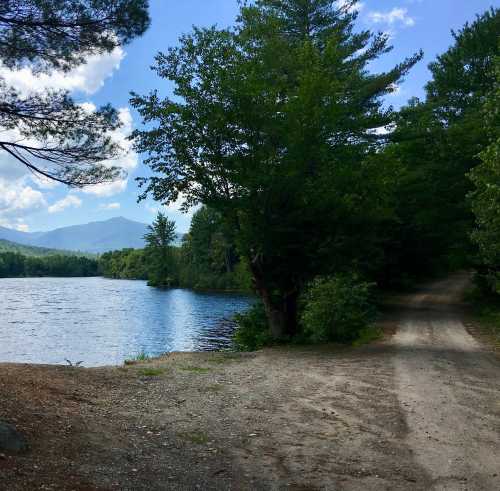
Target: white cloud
106, 190
70, 201
171, 207
110, 206
383, 130
397, 15
17, 200
128, 160
87, 78
22, 192
22, 227
16, 224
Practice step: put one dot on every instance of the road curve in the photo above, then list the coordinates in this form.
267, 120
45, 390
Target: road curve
448, 386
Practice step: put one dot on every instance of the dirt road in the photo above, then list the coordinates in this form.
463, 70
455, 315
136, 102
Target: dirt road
449, 387
417, 411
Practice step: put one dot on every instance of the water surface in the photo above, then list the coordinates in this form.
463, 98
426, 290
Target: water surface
103, 321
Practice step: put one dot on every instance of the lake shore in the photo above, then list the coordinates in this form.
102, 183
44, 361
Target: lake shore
203, 421
300, 418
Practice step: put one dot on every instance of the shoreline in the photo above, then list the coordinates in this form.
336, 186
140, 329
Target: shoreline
287, 417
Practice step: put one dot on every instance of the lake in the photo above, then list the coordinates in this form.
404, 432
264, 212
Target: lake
103, 321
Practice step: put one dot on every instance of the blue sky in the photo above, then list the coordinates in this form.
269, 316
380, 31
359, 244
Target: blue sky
28, 205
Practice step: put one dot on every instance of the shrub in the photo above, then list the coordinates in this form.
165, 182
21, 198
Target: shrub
252, 332
337, 308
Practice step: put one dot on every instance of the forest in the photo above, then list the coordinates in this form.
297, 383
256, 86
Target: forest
206, 260
367, 235
15, 265
314, 190
310, 189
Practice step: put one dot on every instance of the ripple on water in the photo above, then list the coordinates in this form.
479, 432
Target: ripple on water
104, 321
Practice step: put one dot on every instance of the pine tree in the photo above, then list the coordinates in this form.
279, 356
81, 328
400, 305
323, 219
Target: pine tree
49, 133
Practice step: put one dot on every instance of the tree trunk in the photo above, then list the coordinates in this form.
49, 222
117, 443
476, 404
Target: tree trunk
276, 317
281, 311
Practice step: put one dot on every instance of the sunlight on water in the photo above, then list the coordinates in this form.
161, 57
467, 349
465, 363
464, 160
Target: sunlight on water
102, 322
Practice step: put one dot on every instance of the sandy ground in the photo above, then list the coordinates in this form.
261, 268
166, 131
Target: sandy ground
417, 411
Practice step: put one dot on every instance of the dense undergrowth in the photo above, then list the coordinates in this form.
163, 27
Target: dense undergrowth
485, 308
336, 309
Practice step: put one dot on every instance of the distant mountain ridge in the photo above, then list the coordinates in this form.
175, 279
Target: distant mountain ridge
34, 251
95, 237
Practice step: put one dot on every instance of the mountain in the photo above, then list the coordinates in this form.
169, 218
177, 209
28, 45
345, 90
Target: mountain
94, 237
26, 250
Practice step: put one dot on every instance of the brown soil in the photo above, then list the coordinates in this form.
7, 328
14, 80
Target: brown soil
417, 411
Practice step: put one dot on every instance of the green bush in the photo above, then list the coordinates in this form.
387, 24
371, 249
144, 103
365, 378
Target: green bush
252, 332
337, 308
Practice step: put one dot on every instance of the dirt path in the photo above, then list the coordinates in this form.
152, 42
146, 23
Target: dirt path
418, 411
449, 386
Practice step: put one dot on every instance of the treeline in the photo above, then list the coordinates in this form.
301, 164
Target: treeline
279, 126
206, 260
311, 187
13, 265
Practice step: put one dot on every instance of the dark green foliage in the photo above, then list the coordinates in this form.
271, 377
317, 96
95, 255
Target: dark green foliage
129, 264
436, 144
485, 197
159, 252
483, 300
252, 332
273, 127
464, 75
70, 142
62, 33
14, 265
209, 259
337, 308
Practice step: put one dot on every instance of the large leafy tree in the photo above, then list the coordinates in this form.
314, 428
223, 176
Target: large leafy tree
273, 125
49, 133
486, 195
437, 142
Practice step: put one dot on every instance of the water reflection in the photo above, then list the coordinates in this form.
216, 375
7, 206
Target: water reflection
102, 322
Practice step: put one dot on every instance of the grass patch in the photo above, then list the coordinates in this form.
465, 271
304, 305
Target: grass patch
151, 372
138, 358
368, 335
198, 437
193, 369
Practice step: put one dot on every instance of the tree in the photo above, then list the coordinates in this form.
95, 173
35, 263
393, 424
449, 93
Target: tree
49, 133
485, 197
273, 126
437, 143
158, 244
209, 259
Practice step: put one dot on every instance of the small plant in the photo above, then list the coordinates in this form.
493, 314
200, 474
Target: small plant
74, 365
368, 335
252, 332
138, 358
338, 309
197, 437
